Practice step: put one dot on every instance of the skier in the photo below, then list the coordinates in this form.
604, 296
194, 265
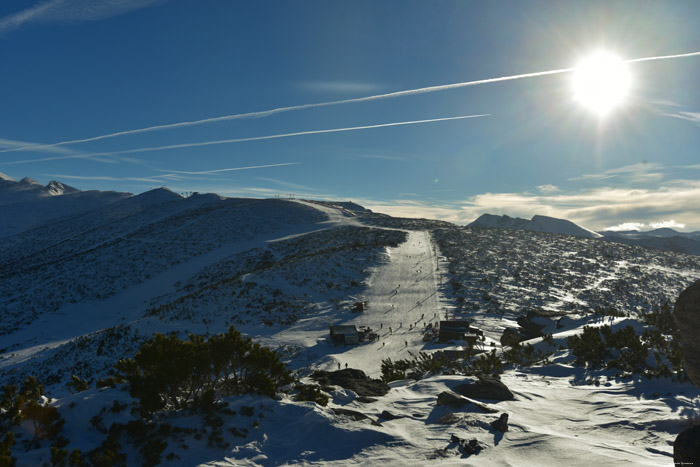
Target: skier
346, 365
339, 365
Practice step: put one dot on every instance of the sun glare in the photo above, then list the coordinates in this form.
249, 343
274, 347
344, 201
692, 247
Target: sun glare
601, 82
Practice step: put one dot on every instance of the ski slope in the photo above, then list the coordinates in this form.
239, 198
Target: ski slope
402, 297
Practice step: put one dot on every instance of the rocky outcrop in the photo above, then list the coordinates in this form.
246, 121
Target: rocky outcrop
687, 314
486, 387
355, 380
686, 447
450, 399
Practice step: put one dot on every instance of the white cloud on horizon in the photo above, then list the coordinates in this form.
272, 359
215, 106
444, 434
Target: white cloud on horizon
670, 224
71, 11
593, 208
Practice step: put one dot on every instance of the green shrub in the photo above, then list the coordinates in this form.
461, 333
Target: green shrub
6, 459
311, 392
171, 374
629, 352
488, 364
46, 420
77, 384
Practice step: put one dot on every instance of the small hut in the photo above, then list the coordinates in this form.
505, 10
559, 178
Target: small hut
458, 330
344, 334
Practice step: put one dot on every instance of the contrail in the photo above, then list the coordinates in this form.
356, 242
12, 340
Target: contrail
267, 113
207, 172
662, 57
241, 140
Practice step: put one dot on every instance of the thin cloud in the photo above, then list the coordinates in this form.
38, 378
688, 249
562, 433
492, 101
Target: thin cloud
390, 95
241, 140
14, 144
82, 177
71, 11
339, 86
282, 183
634, 173
385, 157
548, 188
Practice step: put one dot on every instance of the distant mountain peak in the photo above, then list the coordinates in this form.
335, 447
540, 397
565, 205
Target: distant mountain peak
28, 182
6, 177
538, 223
55, 188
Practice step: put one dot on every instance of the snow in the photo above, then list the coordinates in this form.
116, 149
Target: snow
562, 414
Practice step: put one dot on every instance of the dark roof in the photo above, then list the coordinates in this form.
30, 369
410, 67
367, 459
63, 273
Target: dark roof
343, 329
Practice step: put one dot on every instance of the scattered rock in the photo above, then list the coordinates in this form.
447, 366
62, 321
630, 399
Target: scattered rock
386, 415
501, 424
510, 337
468, 447
354, 415
366, 400
440, 454
686, 447
687, 314
487, 387
355, 380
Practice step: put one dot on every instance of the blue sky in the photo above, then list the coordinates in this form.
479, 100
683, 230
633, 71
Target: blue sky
77, 69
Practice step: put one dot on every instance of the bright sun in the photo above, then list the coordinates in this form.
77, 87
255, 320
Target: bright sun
601, 82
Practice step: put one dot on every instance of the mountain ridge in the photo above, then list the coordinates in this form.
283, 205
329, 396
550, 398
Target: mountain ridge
538, 223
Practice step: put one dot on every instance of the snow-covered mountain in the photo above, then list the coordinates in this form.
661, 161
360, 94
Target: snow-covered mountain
27, 203
536, 224
664, 239
79, 292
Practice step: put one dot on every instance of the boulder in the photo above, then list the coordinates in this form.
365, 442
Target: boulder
501, 424
486, 387
450, 399
355, 380
687, 314
530, 329
510, 337
686, 447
